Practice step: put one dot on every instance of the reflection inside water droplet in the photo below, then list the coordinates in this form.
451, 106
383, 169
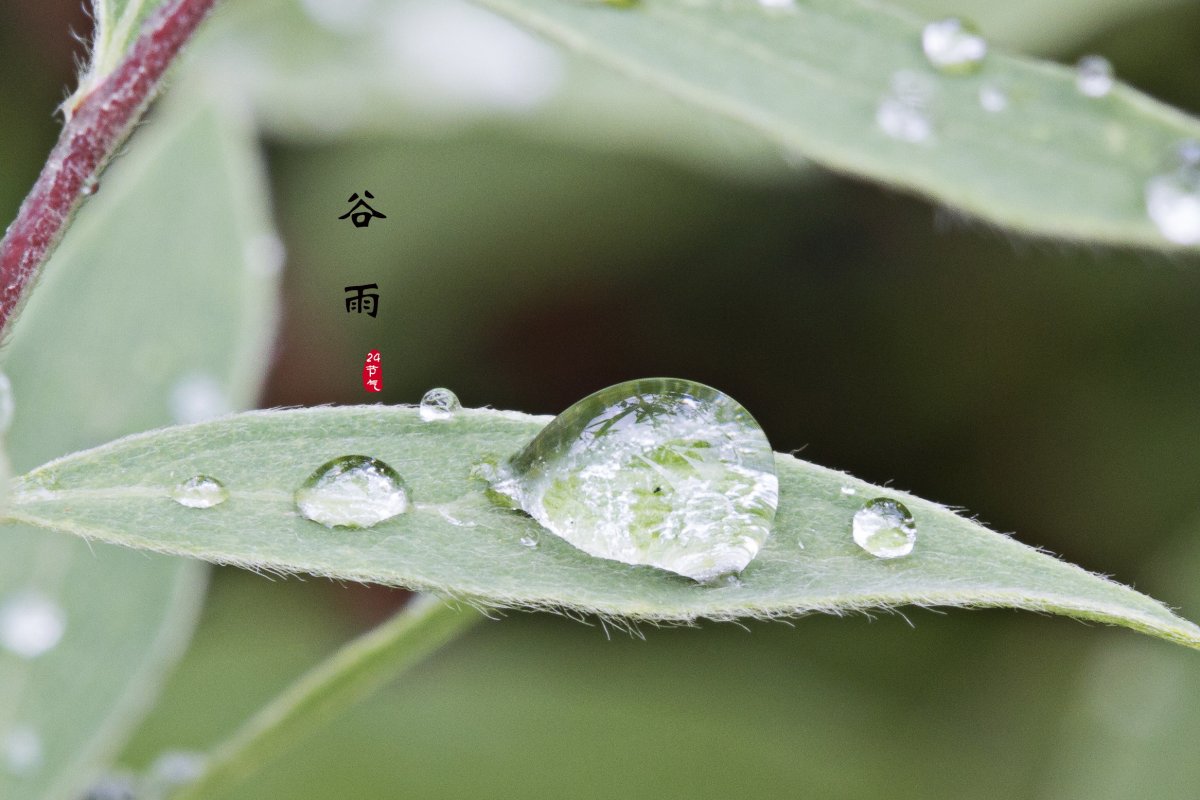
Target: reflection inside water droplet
884, 528
352, 492
31, 624
200, 491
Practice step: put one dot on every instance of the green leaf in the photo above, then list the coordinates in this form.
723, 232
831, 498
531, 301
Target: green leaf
810, 77
160, 278
457, 542
117, 24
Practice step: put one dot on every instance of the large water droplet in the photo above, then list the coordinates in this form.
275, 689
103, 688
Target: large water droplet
1173, 198
31, 624
22, 750
992, 98
1094, 76
884, 528
200, 491
659, 471
439, 404
352, 492
953, 45
7, 404
197, 397
905, 112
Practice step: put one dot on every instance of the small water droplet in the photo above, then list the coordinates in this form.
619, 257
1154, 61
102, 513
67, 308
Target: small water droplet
352, 492
31, 624
1094, 76
264, 255
530, 541
1173, 198
992, 98
118, 786
953, 45
849, 490
7, 404
90, 187
905, 112
661, 471
439, 404
200, 491
777, 5
197, 397
176, 768
884, 528
455, 521
22, 750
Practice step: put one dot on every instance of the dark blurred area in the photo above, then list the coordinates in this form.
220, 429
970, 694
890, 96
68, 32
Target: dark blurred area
1049, 389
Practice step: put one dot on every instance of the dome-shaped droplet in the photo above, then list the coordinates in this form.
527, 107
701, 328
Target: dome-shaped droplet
1094, 76
22, 747
352, 492
1173, 198
439, 404
31, 624
953, 45
660, 471
200, 491
992, 98
905, 112
884, 528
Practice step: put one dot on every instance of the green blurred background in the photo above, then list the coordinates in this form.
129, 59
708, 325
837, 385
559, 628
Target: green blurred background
532, 256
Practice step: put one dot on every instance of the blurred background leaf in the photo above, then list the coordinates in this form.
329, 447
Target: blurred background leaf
1050, 390
141, 258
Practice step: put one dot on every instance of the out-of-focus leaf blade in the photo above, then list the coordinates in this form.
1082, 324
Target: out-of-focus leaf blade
166, 276
457, 542
811, 77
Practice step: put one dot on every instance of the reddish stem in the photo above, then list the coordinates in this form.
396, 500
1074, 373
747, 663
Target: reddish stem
101, 121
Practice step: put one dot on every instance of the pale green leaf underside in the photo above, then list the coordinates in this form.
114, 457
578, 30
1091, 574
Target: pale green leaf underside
1054, 163
118, 493
117, 25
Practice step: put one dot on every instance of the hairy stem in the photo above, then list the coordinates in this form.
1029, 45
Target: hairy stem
97, 124
347, 676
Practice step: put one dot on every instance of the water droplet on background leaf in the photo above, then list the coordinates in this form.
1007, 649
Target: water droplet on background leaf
661, 471
7, 404
439, 404
953, 45
884, 528
352, 492
200, 491
905, 112
1173, 198
1094, 76
992, 98
31, 624
22, 750
197, 397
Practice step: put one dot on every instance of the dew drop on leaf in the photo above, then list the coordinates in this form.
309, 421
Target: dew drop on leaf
849, 490
22, 750
439, 404
884, 528
30, 624
200, 491
352, 492
905, 112
1173, 198
529, 541
197, 397
1094, 76
661, 471
953, 45
992, 98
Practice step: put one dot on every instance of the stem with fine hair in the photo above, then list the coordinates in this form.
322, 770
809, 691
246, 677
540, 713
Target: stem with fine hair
349, 675
97, 124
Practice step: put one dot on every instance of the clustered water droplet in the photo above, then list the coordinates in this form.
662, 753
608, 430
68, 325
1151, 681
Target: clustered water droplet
439, 404
663, 472
200, 491
884, 528
992, 98
905, 112
31, 624
1094, 76
1173, 197
352, 492
953, 45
